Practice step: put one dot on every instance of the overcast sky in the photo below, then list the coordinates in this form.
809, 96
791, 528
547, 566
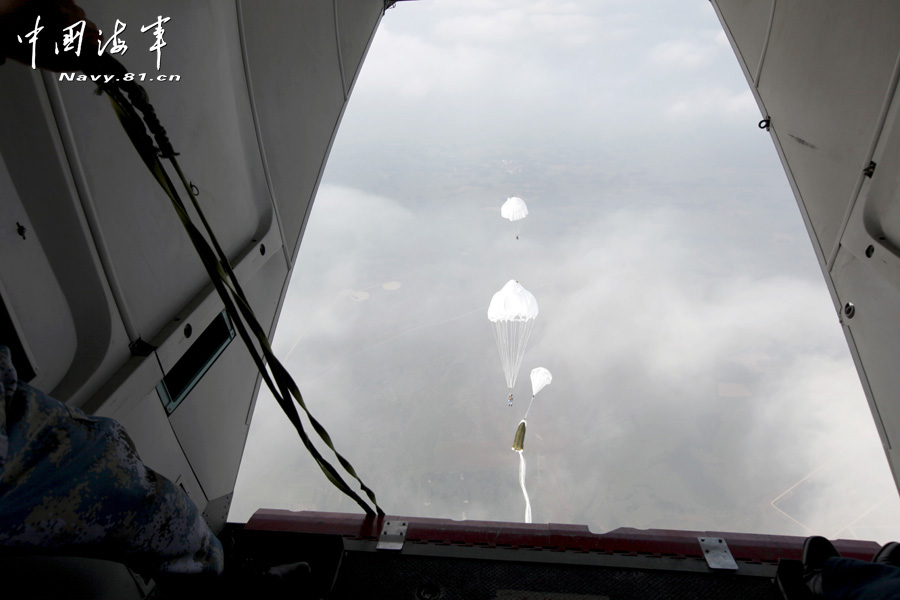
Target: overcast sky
701, 378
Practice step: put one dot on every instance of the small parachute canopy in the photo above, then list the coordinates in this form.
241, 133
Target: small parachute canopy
514, 209
540, 378
512, 312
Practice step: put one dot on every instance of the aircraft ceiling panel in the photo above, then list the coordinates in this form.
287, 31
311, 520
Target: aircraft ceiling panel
748, 22
29, 137
354, 16
867, 275
873, 229
212, 422
877, 212
32, 295
874, 328
297, 86
823, 82
208, 118
265, 289
828, 82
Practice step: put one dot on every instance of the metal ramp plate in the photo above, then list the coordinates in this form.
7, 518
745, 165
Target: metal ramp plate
717, 554
393, 534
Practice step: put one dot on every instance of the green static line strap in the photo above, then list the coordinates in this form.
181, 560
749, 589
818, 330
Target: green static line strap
221, 274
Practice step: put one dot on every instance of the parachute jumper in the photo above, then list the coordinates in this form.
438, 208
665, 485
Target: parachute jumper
512, 312
515, 210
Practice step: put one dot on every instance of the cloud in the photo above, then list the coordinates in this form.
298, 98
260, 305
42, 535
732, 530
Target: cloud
681, 54
633, 427
722, 40
541, 23
703, 102
412, 67
699, 370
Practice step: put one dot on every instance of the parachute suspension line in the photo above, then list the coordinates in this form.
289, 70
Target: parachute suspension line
501, 336
522, 333
529, 407
512, 337
512, 312
127, 98
522, 484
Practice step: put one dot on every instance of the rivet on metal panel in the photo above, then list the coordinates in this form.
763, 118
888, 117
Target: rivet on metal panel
849, 310
716, 553
393, 534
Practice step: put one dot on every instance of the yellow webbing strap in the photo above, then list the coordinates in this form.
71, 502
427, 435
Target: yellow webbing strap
133, 108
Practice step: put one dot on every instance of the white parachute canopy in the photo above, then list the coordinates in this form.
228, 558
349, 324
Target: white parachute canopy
512, 312
515, 210
540, 378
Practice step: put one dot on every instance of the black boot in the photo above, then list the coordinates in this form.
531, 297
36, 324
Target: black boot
888, 555
816, 550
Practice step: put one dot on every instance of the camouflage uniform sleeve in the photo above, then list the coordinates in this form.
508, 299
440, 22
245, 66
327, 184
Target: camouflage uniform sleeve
74, 484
